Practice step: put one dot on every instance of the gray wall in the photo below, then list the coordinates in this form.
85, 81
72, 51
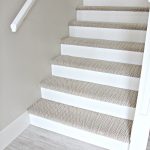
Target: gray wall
25, 56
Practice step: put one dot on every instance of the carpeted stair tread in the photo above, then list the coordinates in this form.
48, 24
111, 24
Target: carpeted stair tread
93, 91
119, 45
128, 26
112, 127
114, 8
98, 65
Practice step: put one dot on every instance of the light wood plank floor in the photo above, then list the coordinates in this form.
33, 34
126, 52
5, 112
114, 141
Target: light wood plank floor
34, 138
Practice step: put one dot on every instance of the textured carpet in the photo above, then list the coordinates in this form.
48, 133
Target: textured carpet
97, 123
100, 43
128, 26
98, 65
90, 90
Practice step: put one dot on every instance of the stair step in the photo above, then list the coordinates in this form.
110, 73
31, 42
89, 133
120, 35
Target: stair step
131, 32
114, 8
100, 43
108, 50
95, 123
129, 26
113, 14
99, 98
99, 65
93, 91
120, 75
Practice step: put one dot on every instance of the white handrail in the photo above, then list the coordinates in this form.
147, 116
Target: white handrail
21, 15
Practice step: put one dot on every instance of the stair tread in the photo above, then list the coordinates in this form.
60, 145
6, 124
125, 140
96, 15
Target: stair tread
114, 8
100, 43
98, 65
112, 127
94, 91
118, 25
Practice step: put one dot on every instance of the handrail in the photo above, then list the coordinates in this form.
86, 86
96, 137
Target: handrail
21, 15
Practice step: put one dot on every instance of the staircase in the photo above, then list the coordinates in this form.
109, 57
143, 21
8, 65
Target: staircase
92, 92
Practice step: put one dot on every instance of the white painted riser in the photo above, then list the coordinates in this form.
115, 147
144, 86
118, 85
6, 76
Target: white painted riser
107, 33
112, 16
134, 3
96, 77
102, 54
78, 134
89, 104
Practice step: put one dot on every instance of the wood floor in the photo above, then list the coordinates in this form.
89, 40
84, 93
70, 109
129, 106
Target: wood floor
34, 138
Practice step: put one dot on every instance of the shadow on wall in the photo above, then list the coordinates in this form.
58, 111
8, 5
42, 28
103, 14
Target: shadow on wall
26, 54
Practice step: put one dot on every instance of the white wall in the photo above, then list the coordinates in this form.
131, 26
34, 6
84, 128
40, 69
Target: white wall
25, 56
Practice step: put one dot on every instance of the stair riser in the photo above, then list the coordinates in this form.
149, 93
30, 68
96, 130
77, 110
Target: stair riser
133, 3
112, 16
114, 80
77, 133
89, 104
102, 54
108, 33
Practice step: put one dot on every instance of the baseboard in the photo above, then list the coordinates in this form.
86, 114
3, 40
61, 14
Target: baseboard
8, 134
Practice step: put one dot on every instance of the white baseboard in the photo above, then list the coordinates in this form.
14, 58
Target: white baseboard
8, 134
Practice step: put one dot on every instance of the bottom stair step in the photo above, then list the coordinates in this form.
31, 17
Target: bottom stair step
95, 128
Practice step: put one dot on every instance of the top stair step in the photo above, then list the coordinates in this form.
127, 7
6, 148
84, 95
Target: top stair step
113, 14
114, 8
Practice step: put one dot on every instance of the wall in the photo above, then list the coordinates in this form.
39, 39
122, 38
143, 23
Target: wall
25, 56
